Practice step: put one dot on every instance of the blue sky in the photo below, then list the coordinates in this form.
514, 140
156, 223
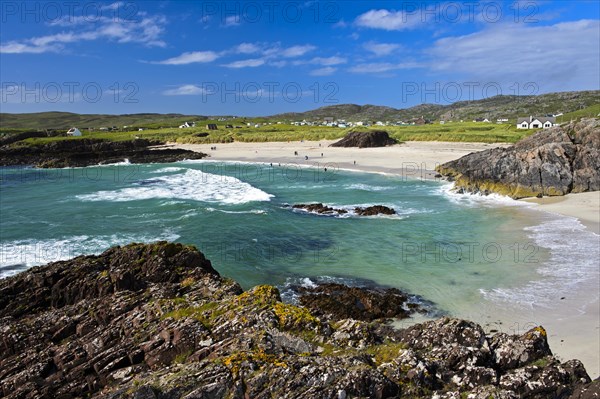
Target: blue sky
266, 57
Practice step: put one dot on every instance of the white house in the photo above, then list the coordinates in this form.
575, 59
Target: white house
73, 132
536, 122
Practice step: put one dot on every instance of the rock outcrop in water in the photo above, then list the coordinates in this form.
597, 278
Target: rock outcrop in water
321, 209
555, 161
371, 138
89, 152
338, 302
158, 322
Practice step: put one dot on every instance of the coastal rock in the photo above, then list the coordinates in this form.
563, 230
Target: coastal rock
338, 302
89, 152
374, 210
321, 209
157, 321
371, 138
554, 161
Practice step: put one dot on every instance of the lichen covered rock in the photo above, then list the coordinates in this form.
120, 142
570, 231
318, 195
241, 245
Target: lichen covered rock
551, 162
157, 321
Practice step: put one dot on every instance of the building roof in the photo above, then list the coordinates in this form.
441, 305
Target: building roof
542, 119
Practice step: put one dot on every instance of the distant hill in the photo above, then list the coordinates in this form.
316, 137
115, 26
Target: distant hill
493, 108
66, 120
573, 103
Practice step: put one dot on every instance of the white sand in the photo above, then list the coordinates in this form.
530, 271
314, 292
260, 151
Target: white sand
573, 328
584, 206
416, 159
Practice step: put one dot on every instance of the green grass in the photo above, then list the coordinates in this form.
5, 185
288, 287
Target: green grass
458, 132
588, 112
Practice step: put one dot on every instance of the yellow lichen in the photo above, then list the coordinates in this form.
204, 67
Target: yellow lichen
293, 317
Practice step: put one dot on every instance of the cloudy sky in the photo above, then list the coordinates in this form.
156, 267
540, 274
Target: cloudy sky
266, 57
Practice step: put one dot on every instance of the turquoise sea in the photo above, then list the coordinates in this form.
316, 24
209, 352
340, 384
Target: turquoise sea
470, 256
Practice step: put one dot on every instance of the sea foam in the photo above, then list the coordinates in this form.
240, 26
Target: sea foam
574, 254
192, 185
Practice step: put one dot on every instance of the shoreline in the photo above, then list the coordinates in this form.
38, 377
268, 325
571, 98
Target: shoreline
412, 159
574, 334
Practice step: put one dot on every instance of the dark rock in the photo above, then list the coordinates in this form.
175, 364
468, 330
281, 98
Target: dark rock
510, 353
157, 321
374, 210
371, 138
320, 208
338, 301
327, 210
555, 161
88, 152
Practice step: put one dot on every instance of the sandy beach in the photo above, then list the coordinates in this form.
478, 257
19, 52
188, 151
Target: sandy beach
412, 159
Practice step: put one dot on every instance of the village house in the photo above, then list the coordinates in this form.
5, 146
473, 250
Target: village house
73, 132
536, 122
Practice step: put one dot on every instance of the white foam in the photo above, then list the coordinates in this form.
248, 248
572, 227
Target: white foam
192, 185
574, 254
252, 211
366, 187
477, 200
16, 256
168, 169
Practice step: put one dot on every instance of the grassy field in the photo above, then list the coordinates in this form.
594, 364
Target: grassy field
588, 112
466, 132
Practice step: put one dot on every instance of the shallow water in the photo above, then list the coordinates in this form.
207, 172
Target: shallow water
471, 256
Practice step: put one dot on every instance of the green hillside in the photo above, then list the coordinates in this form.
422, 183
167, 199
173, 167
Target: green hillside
492, 108
587, 112
66, 120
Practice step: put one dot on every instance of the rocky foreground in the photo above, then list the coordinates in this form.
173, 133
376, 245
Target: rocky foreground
555, 161
157, 321
89, 152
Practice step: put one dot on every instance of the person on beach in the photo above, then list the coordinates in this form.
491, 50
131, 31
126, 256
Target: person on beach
306, 157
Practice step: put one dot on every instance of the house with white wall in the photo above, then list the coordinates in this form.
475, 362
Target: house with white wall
536, 122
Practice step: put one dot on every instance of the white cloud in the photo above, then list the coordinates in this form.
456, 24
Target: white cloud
297, 51
326, 71
232, 20
381, 49
251, 63
246, 48
333, 60
184, 90
559, 57
191, 57
388, 20
325, 61
340, 24
381, 67
145, 30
